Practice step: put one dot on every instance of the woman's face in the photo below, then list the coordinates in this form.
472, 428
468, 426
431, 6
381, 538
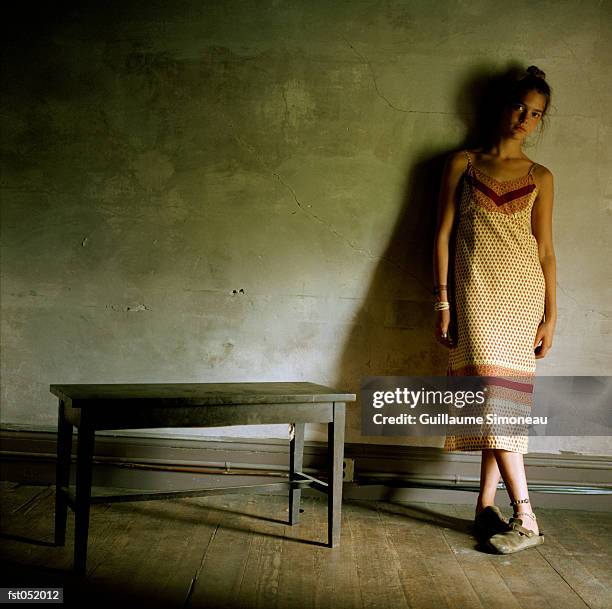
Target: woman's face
523, 116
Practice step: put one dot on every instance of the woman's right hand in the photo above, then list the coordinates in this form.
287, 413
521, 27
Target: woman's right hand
442, 323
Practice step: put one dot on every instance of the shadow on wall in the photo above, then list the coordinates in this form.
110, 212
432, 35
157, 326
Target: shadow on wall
393, 332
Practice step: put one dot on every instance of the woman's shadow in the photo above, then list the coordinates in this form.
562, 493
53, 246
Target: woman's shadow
393, 332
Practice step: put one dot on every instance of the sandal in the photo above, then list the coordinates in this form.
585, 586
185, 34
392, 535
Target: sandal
489, 521
516, 538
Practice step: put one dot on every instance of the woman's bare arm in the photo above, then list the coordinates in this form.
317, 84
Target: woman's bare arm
541, 227
454, 168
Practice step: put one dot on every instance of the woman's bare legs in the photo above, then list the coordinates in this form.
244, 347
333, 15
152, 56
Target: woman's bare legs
489, 479
512, 469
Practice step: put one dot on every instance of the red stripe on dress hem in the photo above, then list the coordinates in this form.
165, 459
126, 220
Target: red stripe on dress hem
502, 382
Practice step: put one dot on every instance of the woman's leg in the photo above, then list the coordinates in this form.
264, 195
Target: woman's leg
512, 470
489, 479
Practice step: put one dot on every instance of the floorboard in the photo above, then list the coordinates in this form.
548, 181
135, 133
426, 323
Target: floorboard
238, 551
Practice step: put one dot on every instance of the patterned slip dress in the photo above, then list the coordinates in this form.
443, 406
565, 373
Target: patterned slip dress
496, 289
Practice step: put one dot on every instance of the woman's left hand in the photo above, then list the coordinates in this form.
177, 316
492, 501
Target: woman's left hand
544, 335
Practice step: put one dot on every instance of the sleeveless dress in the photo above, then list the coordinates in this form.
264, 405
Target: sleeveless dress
496, 288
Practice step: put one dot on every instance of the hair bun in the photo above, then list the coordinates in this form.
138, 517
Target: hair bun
535, 71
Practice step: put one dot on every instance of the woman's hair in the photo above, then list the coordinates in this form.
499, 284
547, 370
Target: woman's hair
532, 80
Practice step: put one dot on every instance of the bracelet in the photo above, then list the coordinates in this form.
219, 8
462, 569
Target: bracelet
441, 305
530, 514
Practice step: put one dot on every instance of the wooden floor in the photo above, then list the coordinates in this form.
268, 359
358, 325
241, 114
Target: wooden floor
237, 551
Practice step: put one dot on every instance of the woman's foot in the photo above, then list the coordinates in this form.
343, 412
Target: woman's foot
489, 521
518, 537
529, 521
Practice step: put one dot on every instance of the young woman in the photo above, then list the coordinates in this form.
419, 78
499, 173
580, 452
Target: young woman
494, 277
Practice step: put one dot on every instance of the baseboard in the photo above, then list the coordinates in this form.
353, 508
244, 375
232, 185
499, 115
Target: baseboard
382, 472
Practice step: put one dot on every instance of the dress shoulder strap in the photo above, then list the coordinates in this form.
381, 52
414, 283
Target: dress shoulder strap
467, 154
531, 168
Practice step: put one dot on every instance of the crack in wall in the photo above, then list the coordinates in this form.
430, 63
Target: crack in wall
367, 253
386, 99
581, 305
328, 226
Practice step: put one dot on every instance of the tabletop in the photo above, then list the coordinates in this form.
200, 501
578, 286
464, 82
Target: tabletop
82, 395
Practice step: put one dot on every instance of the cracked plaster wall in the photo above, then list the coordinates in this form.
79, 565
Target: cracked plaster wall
222, 191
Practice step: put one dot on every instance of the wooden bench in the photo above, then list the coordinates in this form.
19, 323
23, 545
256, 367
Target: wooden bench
92, 407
